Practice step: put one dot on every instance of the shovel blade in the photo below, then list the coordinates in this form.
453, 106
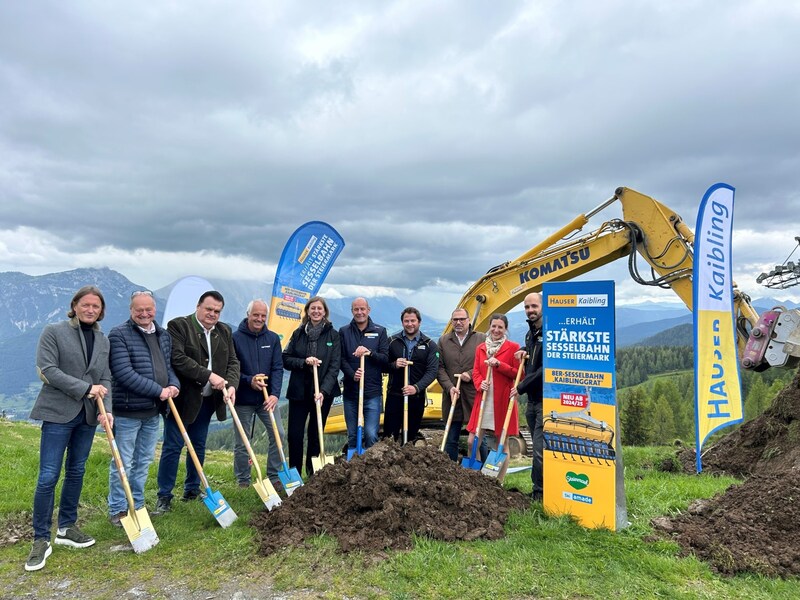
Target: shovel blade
220, 508
471, 462
494, 462
139, 530
266, 491
290, 479
317, 462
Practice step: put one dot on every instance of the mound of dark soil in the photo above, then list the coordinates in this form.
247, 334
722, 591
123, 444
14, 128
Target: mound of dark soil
377, 500
752, 527
769, 443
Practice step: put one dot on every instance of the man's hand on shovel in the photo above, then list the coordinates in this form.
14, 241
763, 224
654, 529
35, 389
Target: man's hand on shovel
97, 393
455, 391
229, 393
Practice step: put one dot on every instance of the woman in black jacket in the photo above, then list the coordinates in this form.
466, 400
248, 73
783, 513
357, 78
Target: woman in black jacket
315, 342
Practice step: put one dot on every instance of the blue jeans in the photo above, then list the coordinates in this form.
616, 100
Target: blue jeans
241, 460
173, 445
372, 420
136, 441
75, 438
453, 435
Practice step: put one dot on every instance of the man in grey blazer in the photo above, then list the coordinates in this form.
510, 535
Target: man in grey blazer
72, 362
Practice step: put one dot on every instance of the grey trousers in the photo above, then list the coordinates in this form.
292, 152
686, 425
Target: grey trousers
241, 460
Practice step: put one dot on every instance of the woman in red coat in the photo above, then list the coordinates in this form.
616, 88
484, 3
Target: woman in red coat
497, 351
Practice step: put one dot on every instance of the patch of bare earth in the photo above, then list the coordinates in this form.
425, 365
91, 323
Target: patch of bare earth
379, 500
753, 526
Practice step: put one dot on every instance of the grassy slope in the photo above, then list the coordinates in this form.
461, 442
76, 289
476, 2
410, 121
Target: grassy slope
541, 556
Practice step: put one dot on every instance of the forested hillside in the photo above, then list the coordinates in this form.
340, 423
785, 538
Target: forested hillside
656, 393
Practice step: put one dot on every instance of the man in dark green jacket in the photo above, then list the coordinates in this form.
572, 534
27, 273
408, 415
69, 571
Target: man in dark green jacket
204, 359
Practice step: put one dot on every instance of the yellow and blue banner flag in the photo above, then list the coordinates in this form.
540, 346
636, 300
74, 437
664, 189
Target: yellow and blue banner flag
306, 259
718, 392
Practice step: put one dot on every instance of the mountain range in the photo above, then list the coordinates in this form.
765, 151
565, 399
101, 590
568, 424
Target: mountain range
30, 302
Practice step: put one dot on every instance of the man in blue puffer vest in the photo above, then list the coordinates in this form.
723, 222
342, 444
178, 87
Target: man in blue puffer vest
259, 352
143, 380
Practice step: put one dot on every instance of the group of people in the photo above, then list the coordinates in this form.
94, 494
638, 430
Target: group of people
199, 366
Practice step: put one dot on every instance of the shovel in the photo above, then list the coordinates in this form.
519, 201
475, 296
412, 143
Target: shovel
214, 501
265, 489
137, 524
317, 462
452, 410
359, 449
405, 403
497, 458
471, 461
289, 477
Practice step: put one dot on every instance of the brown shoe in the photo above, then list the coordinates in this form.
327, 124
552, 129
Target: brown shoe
116, 520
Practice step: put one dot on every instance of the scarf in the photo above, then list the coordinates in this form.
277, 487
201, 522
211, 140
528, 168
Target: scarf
313, 334
493, 346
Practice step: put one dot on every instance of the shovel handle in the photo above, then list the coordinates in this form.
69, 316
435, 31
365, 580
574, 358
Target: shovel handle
511, 403
277, 435
319, 417
452, 410
361, 392
483, 403
405, 404
188, 442
118, 460
242, 434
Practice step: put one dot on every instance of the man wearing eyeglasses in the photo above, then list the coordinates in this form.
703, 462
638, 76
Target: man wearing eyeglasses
143, 380
457, 349
204, 359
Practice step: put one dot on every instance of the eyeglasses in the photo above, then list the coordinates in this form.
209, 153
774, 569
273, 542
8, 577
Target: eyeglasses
141, 293
459, 319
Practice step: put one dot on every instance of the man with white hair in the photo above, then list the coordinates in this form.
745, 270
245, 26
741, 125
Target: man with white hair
259, 353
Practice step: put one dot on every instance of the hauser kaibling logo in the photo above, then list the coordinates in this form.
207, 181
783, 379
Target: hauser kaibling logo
577, 480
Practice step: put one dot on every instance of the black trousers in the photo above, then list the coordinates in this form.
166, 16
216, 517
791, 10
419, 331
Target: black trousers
534, 416
302, 421
393, 415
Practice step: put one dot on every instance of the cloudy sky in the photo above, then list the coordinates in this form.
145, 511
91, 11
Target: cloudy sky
439, 138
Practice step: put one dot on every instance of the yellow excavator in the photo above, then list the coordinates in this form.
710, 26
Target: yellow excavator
648, 229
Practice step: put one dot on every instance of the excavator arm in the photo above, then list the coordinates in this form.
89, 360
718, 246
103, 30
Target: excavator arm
652, 231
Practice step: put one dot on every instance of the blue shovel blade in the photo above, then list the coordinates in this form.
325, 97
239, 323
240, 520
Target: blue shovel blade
219, 507
471, 463
290, 479
494, 462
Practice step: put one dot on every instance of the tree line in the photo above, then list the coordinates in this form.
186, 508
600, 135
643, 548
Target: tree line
655, 394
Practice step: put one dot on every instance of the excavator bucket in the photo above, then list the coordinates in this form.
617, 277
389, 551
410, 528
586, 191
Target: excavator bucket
580, 437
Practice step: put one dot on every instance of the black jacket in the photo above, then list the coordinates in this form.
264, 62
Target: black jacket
301, 379
189, 360
422, 373
376, 339
532, 382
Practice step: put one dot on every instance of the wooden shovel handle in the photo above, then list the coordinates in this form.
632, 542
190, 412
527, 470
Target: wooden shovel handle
277, 435
117, 459
242, 434
188, 442
511, 403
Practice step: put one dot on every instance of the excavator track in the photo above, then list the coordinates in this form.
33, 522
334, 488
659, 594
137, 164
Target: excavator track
525, 434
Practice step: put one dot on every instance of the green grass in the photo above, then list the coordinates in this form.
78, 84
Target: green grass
540, 557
